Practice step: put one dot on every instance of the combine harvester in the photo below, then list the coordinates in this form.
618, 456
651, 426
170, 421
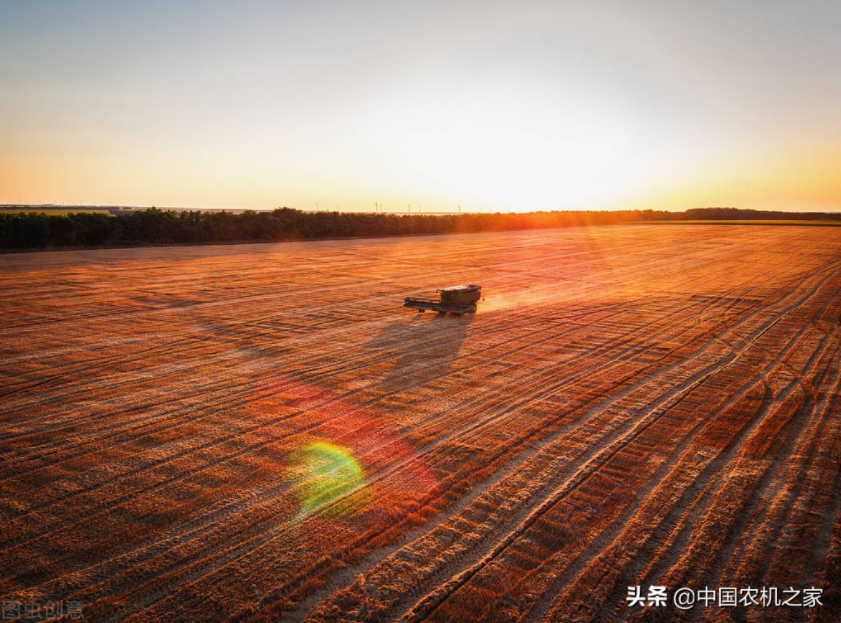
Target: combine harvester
456, 300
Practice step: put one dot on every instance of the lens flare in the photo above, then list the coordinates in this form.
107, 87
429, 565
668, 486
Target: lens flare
324, 472
342, 458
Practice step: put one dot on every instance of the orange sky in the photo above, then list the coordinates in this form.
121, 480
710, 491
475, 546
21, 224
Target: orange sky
538, 105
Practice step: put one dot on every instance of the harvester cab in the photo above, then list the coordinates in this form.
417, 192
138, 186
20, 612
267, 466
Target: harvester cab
456, 300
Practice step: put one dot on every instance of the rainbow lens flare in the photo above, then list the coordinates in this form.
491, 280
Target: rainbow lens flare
324, 472
349, 466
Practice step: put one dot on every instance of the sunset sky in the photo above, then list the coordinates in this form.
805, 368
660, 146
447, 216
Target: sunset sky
508, 105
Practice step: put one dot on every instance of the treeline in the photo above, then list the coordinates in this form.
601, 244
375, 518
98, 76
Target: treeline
737, 214
147, 227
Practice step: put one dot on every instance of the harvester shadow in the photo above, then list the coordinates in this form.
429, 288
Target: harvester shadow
423, 349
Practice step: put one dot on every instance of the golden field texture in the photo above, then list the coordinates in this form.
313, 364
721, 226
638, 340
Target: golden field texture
262, 432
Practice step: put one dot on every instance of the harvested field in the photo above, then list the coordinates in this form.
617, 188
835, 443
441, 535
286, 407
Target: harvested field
261, 432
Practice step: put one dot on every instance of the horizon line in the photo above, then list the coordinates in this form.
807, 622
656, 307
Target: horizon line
457, 211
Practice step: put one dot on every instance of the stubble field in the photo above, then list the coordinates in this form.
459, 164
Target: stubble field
261, 432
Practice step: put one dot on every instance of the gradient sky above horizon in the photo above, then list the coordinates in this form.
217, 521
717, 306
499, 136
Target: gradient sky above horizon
509, 105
